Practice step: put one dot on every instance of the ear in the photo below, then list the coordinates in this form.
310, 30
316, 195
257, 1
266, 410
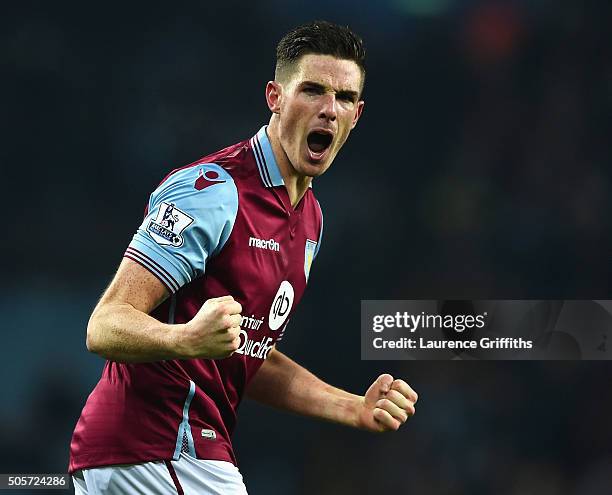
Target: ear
360, 105
274, 92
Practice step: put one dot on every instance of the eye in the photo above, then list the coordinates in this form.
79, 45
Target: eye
346, 97
311, 90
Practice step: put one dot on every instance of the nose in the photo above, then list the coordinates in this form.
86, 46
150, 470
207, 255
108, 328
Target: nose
328, 110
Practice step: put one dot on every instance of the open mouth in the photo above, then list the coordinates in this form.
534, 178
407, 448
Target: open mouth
319, 142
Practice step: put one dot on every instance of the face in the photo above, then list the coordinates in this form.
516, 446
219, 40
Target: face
316, 109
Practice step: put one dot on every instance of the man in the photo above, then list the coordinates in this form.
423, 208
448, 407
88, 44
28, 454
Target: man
190, 321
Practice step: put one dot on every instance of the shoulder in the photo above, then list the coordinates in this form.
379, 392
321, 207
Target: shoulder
189, 218
196, 176
201, 200
197, 184
222, 167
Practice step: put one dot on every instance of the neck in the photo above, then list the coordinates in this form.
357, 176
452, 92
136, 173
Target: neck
296, 184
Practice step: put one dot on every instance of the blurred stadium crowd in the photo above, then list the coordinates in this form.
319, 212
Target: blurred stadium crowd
480, 169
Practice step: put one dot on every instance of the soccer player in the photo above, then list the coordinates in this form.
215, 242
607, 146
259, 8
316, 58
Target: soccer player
207, 286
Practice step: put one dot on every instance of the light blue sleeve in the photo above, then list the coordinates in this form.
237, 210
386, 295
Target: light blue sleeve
320, 234
190, 218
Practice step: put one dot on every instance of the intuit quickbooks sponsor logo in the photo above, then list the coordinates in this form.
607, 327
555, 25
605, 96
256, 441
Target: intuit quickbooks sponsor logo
251, 323
255, 346
270, 244
281, 305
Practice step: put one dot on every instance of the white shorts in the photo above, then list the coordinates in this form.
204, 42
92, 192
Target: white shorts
188, 476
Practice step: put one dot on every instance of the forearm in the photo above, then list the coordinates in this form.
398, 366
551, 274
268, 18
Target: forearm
284, 384
121, 333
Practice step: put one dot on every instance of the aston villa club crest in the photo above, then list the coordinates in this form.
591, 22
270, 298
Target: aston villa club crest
309, 252
167, 227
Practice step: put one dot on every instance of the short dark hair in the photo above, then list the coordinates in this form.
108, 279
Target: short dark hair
319, 38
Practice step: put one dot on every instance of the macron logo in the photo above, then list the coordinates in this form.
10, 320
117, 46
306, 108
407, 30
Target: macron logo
270, 244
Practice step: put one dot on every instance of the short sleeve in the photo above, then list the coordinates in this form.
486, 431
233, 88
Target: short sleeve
190, 217
318, 246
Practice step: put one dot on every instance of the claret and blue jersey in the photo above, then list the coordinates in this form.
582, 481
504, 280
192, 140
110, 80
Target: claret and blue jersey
222, 225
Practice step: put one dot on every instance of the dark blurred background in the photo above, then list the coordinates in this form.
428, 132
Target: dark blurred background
480, 169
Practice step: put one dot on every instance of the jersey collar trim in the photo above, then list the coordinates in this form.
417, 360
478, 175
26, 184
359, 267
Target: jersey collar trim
266, 163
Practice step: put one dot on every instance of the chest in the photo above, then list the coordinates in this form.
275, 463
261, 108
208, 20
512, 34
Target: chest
266, 261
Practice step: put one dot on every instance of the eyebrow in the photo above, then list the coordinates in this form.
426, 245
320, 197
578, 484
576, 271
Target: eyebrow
340, 92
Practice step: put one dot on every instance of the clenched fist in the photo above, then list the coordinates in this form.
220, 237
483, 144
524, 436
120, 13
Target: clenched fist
387, 404
214, 332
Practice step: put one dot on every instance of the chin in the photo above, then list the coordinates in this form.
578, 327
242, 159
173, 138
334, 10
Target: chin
314, 169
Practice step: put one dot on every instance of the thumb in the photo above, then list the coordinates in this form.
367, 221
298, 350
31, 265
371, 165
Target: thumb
379, 388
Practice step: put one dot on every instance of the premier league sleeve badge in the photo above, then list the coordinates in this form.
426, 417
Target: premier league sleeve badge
168, 225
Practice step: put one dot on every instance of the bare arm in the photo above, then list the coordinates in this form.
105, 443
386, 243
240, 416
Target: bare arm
120, 328
284, 384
